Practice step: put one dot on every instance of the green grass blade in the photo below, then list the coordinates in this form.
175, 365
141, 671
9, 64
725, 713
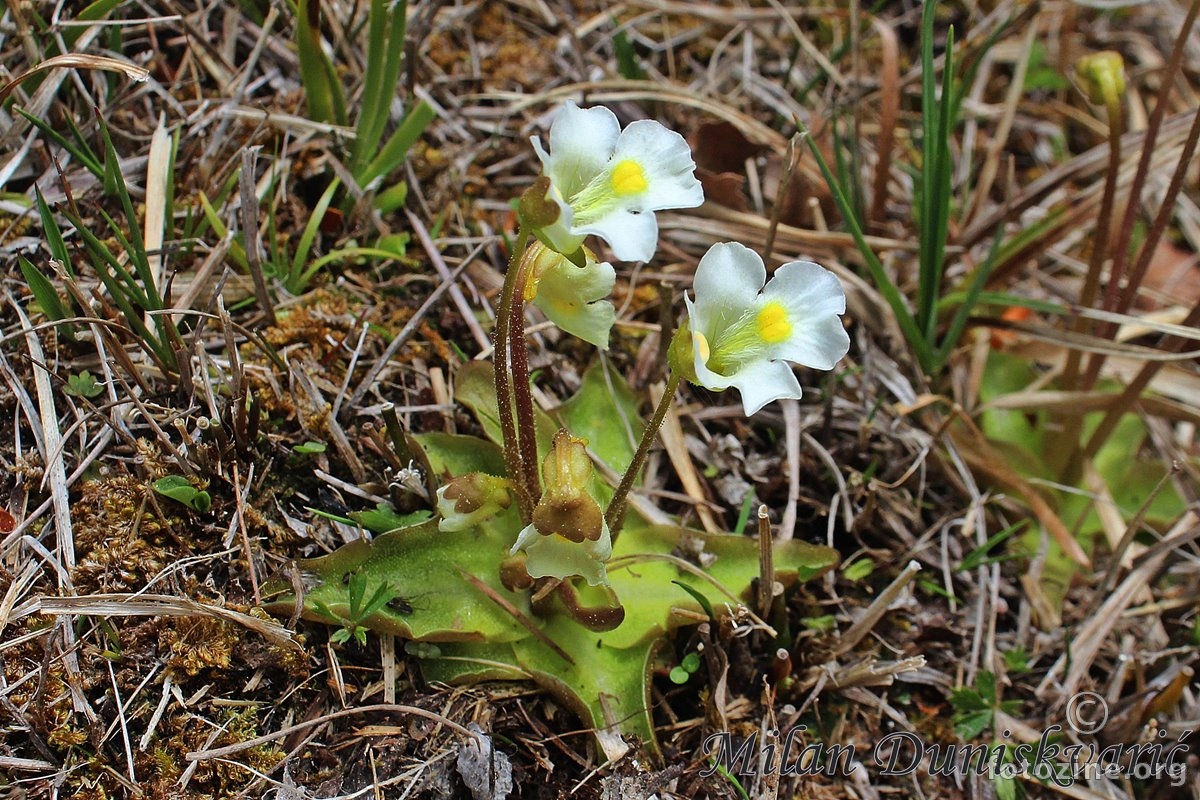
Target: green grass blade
92, 13
935, 181
52, 233
385, 58
891, 294
43, 290
79, 152
122, 288
1004, 300
317, 73
943, 183
963, 312
237, 254
344, 255
397, 147
127, 285
295, 279
135, 245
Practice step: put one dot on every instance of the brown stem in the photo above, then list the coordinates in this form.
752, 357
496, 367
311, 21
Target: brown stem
1133, 204
504, 384
1133, 391
1067, 458
614, 515
521, 392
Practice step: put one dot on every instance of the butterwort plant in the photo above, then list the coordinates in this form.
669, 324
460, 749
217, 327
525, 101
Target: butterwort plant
742, 330
560, 594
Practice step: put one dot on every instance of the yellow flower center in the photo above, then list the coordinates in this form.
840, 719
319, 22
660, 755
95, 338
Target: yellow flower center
628, 178
773, 323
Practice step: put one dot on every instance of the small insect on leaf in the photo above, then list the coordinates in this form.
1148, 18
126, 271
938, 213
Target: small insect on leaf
8, 523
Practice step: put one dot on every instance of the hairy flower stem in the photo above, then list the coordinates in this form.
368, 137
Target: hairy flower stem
614, 515
1073, 426
1118, 296
506, 388
522, 396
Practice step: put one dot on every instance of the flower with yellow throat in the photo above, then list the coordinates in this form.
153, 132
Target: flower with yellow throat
742, 332
609, 182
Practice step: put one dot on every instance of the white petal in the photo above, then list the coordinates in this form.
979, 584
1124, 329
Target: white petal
819, 343
632, 237
558, 235
667, 165
573, 298
761, 382
581, 142
806, 288
728, 280
527, 537
556, 557
814, 298
704, 376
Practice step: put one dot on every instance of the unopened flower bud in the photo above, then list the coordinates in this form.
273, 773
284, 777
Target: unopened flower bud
513, 574
1103, 77
470, 500
679, 353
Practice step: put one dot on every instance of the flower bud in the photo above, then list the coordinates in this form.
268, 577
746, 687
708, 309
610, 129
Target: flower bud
470, 500
679, 353
1103, 77
513, 574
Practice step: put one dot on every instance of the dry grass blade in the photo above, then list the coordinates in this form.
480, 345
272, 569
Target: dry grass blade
874, 612
983, 458
154, 605
379, 708
1086, 642
76, 61
516, 614
671, 435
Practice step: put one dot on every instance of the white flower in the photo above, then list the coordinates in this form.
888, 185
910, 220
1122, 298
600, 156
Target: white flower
742, 332
556, 556
572, 297
608, 181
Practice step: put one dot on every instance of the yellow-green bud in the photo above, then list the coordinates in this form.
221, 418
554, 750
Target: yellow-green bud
1103, 77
